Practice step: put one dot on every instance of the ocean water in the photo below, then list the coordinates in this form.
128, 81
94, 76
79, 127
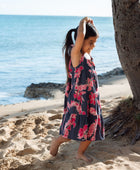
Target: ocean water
31, 51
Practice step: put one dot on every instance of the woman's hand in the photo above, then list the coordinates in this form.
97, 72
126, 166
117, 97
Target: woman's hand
82, 25
87, 20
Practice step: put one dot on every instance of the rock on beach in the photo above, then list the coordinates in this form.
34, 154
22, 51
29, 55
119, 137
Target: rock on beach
46, 90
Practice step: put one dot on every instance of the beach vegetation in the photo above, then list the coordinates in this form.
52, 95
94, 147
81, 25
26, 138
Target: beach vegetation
124, 122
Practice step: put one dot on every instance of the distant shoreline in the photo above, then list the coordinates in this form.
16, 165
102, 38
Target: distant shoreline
43, 90
47, 90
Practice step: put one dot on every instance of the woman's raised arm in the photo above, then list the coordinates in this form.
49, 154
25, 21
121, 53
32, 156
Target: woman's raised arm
76, 50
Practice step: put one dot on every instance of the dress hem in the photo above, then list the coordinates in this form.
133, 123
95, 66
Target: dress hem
82, 140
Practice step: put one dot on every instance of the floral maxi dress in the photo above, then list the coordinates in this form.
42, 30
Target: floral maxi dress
82, 119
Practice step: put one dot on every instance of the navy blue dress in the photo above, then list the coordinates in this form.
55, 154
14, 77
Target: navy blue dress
82, 119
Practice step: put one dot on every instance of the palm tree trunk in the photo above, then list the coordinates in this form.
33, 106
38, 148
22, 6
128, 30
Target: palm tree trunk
126, 19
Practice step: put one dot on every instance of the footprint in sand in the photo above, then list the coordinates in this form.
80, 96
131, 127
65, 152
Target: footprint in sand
38, 130
26, 151
57, 116
1, 118
38, 120
18, 117
3, 142
22, 167
19, 122
49, 126
53, 132
2, 132
103, 101
13, 133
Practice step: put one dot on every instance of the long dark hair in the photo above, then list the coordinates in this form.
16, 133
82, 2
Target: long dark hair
91, 31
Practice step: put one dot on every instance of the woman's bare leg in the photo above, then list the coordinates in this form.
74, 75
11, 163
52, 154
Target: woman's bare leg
56, 142
81, 150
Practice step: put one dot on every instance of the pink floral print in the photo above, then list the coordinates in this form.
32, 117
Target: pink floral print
82, 119
83, 132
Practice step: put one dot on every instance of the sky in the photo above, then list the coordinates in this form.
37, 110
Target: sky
57, 7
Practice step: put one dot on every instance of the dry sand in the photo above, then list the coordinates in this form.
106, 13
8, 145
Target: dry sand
26, 130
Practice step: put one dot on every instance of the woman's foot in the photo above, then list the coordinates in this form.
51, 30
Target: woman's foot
54, 147
83, 157
56, 142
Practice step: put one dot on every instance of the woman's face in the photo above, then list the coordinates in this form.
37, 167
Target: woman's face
89, 44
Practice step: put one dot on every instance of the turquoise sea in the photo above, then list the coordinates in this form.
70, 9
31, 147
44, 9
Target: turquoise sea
31, 51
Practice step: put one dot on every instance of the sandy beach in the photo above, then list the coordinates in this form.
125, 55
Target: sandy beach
26, 130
